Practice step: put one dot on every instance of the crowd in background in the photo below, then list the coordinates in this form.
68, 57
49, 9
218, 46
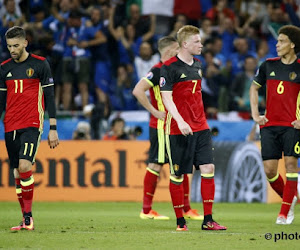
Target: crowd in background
99, 49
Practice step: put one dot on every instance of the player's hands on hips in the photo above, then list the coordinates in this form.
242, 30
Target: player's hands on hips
261, 120
160, 115
296, 124
53, 140
185, 128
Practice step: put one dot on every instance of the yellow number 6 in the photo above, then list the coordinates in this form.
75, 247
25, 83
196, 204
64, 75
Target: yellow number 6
280, 88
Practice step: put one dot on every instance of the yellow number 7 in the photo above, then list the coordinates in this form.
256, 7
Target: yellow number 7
194, 89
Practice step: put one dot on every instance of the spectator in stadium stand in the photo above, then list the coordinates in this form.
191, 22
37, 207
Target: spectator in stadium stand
168, 47
122, 98
219, 11
280, 125
117, 131
179, 22
237, 58
126, 36
239, 89
96, 41
76, 60
26, 88
188, 137
145, 60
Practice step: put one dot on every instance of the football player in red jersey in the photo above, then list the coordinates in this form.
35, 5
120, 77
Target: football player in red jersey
26, 87
167, 47
280, 125
188, 137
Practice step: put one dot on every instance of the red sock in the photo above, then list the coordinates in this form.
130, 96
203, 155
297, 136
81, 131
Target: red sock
150, 182
19, 193
288, 195
27, 183
277, 185
208, 194
176, 191
186, 190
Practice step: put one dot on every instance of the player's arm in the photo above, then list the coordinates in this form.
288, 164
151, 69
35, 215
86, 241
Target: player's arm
139, 92
260, 119
259, 79
2, 100
3, 92
183, 126
48, 89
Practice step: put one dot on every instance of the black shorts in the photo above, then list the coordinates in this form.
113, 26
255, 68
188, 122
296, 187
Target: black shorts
157, 152
278, 139
186, 151
22, 144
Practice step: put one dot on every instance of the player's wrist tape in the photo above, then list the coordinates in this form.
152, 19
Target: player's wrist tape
52, 127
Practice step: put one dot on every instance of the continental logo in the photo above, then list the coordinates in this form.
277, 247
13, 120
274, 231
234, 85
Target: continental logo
292, 76
30, 72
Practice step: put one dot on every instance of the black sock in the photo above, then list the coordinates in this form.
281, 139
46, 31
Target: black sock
27, 214
207, 218
181, 221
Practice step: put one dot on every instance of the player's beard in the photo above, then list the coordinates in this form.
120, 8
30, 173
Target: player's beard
16, 56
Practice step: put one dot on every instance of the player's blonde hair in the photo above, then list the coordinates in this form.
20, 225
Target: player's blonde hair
185, 32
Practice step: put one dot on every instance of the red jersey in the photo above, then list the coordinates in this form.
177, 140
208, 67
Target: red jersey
283, 91
24, 83
185, 82
152, 78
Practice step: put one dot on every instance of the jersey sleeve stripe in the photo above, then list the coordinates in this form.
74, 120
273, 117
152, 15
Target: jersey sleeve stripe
256, 83
148, 81
48, 85
3, 89
298, 107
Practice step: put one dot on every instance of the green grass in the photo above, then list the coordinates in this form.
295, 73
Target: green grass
116, 225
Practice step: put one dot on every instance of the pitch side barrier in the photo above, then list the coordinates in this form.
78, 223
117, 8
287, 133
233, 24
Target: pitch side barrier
115, 170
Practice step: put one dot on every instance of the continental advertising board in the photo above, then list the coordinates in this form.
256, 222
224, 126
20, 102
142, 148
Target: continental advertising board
115, 170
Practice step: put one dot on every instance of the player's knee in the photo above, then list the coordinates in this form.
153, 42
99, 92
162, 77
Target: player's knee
177, 180
207, 168
155, 167
270, 173
16, 173
24, 166
291, 167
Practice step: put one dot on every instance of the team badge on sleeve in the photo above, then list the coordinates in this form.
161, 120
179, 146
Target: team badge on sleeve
51, 80
162, 82
149, 76
30, 72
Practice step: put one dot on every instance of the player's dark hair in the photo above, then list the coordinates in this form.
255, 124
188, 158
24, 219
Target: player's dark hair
117, 119
165, 42
293, 33
15, 32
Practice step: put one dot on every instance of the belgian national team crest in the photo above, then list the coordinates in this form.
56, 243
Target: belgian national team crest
292, 76
176, 167
30, 72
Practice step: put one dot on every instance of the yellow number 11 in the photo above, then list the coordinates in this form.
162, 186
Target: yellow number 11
17, 84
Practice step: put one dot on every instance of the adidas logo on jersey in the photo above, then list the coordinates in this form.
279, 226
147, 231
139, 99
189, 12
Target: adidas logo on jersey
9, 75
183, 75
272, 73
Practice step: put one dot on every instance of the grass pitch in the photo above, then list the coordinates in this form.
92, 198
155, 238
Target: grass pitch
116, 225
